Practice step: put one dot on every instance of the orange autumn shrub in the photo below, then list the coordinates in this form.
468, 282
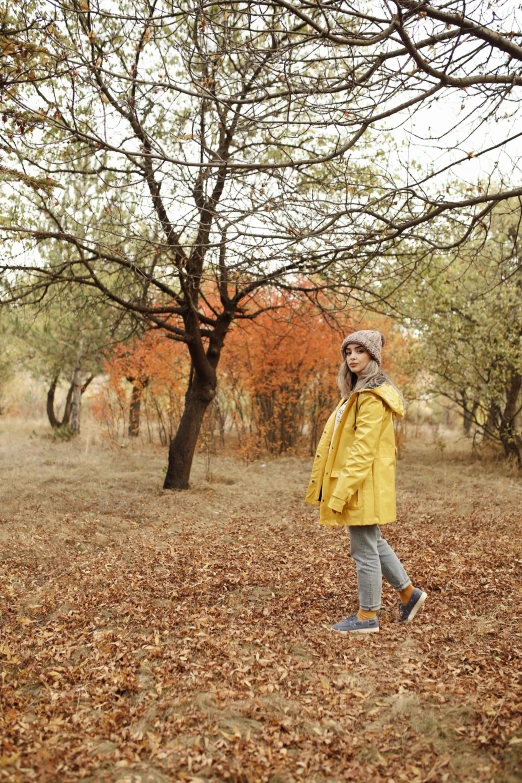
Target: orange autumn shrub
279, 374
275, 372
146, 378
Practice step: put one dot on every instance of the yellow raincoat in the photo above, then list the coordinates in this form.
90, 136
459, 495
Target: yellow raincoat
356, 476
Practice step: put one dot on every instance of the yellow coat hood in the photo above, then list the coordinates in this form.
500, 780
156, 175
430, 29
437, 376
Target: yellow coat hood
391, 397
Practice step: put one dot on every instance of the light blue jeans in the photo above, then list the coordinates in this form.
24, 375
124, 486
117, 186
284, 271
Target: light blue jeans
374, 558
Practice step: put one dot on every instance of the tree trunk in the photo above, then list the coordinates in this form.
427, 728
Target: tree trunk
76, 403
200, 393
491, 427
67, 411
509, 437
183, 446
53, 420
469, 418
511, 443
134, 411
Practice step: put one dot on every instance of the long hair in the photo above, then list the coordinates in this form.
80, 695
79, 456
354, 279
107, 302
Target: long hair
371, 376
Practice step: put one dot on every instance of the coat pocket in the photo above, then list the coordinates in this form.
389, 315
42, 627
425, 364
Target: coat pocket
354, 500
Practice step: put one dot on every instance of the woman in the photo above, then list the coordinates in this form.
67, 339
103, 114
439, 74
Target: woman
353, 478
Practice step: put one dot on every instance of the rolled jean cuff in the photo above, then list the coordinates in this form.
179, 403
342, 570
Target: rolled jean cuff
370, 608
402, 587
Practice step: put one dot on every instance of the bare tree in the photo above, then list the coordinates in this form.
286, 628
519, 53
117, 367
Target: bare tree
217, 148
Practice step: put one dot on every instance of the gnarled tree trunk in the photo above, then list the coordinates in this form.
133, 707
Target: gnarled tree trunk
51, 415
198, 397
200, 393
67, 417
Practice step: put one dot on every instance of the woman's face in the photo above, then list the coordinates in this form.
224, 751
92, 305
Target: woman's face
357, 357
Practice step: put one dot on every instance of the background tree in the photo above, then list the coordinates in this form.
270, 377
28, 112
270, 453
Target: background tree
469, 317
243, 138
64, 341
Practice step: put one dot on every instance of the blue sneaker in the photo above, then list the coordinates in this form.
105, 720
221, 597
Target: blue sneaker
408, 611
353, 625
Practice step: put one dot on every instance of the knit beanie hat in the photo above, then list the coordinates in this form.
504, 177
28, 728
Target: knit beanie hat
369, 339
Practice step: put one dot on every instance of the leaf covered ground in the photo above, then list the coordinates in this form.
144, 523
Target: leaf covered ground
152, 636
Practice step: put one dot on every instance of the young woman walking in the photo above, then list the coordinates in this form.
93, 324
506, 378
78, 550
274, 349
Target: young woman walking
353, 478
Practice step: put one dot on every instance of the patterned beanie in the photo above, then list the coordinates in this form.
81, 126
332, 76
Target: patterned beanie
372, 341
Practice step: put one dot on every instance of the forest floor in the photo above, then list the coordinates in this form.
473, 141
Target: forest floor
151, 636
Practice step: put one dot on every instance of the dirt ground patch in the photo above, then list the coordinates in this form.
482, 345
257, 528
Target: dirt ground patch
152, 636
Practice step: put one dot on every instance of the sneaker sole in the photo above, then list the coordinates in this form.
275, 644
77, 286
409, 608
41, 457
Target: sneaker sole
416, 608
356, 630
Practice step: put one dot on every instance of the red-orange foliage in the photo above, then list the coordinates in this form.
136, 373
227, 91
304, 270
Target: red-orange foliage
279, 373
155, 369
277, 377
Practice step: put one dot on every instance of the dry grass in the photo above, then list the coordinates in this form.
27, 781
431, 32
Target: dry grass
156, 636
